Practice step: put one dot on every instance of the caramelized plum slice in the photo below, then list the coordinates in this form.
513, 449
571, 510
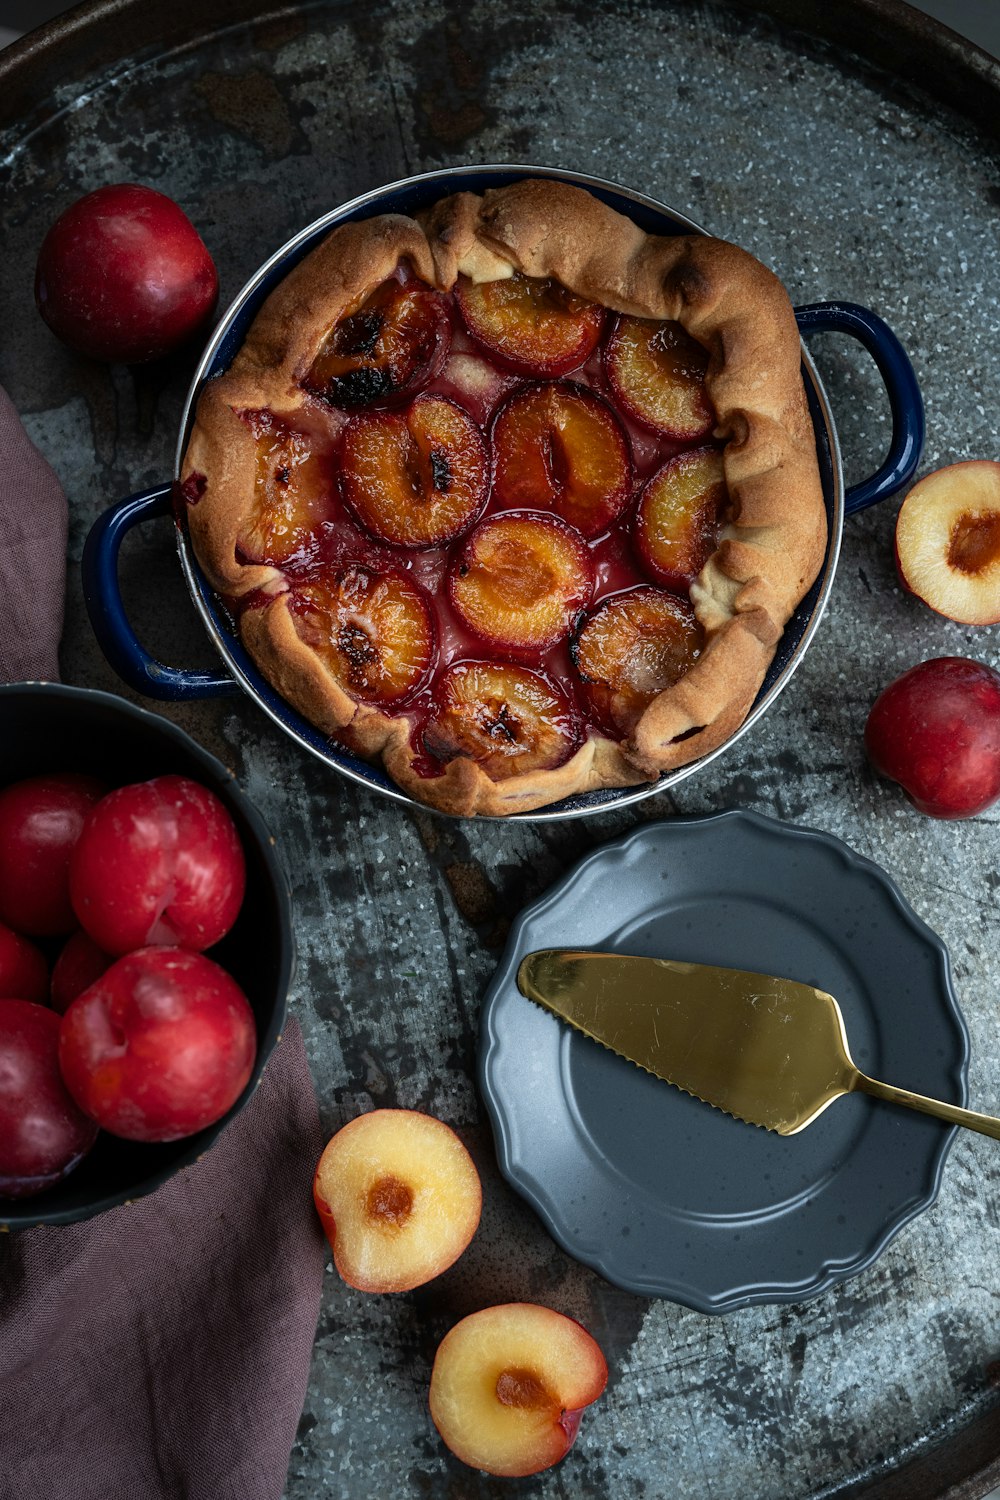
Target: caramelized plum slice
521, 579
373, 630
415, 478
657, 372
384, 350
293, 493
506, 718
531, 323
633, 646
677, 523
561, 447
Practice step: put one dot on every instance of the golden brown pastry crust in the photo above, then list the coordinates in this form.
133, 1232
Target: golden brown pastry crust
774, 534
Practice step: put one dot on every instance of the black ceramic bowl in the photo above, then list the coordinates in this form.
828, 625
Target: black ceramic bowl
47, 727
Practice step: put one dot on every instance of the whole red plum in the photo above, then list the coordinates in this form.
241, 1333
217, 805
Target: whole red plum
24, 974
79, 963
124, 276
43, 1132
936, 731
40, 822
158, 862
161, 1045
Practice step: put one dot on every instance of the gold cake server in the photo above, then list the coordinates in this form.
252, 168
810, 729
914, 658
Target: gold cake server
772, 1052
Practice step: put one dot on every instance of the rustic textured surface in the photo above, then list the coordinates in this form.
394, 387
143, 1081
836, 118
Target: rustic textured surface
849, 186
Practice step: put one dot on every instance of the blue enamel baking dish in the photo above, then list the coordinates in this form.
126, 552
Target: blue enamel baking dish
239, 674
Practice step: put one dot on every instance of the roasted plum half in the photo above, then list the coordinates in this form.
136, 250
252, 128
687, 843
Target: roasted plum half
633, 646
520, 580
560, 447
373, 630
533, 324
657, 372
293, 493
418, 477
677, 522
385, 349
506, 718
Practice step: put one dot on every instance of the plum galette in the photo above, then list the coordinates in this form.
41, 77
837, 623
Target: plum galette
514, 496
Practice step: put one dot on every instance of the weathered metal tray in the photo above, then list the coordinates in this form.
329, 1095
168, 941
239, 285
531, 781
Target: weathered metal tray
857, 155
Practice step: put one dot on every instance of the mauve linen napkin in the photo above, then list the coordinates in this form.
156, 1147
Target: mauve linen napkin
160, 1351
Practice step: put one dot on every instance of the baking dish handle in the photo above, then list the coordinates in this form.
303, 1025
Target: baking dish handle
103, 598
905, 401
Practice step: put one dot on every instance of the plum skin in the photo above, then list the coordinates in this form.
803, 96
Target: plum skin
43, 1132
79, 963
936, 731
160, 1046
157, 862
41, 819
24, 974
123, 275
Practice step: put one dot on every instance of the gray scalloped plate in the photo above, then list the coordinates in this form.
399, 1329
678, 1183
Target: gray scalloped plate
662, 1194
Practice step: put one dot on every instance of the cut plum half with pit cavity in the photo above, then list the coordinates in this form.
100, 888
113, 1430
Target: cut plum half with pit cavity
560, 447
415, 478
506, 718
521, 580
657, 372
509, 1385
533, 324
399, 1199
633, 646
373, 630
679, 515
384, 350
293, 493
948, 541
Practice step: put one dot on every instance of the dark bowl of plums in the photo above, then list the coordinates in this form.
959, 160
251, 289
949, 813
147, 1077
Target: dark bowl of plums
457, 533
145, 951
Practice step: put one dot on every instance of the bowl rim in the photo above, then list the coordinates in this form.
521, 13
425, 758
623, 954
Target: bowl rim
288, 718
19, 1213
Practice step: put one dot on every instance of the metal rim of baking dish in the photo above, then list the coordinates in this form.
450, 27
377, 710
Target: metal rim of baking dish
171, 1157
409, 195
